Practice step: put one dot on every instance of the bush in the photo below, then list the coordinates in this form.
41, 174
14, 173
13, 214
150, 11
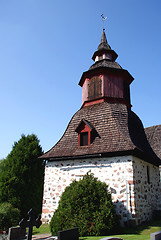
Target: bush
85, 204
9, 216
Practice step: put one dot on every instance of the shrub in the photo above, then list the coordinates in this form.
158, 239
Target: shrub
9, 216
85, 204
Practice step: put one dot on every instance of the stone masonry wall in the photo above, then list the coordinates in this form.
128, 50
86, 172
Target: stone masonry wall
117, 172
146, 186
133, 194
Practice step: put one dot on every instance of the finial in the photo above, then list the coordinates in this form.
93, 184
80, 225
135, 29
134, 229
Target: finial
103, 19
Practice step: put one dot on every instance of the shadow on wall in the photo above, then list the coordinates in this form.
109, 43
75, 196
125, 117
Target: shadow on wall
142, 197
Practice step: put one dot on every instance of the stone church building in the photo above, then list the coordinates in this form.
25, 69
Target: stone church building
107, 138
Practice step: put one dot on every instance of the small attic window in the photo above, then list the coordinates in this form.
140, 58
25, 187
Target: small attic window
84, 139
84, 130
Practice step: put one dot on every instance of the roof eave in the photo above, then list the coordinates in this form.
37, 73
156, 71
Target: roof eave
99, 52
90, 72
146, 157
134, 152
104, 154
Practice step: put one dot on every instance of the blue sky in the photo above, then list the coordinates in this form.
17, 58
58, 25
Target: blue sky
46, 45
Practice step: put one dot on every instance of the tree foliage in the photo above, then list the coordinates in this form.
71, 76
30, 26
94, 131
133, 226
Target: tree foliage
9, 216
85, 204
21, 175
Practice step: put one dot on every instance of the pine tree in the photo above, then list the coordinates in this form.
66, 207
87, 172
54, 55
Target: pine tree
21, 175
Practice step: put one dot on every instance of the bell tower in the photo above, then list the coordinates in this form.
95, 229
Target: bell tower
105, 80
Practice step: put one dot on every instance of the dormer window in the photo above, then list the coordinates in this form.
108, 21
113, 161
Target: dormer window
84, 138
84, 131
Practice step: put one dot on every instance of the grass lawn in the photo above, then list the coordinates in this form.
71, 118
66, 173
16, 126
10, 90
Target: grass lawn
140, 233
44, 228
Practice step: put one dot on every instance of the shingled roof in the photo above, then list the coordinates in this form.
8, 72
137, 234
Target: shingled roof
103, 44
154, 137
118, 131
106, 63
105, 47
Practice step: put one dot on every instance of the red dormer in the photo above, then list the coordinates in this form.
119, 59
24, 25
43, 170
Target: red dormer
84, 131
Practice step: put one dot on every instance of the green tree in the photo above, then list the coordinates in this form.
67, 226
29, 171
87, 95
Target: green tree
21, 175
9, 216
85, 204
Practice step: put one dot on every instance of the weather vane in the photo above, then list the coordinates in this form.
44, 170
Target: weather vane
103, 19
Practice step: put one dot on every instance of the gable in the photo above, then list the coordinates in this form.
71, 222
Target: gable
84, 131
84, 126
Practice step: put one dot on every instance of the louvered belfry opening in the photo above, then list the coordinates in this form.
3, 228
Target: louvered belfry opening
94, 88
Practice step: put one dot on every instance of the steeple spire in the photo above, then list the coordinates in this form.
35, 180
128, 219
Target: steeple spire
103, 44
104, 50
103, 37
